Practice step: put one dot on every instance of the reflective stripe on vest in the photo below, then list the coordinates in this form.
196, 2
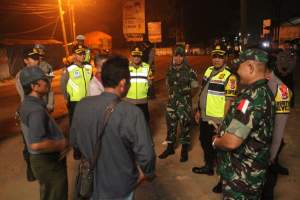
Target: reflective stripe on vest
78, 82
282, 99
215, 100
139, 82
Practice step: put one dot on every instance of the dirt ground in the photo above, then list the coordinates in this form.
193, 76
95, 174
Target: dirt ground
174, 180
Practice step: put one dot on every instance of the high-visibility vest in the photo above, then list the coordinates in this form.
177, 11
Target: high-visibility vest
282, 98
139, 82
78, 83
215, 100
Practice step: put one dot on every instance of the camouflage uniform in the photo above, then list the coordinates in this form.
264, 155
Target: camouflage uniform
179, 107
251, 118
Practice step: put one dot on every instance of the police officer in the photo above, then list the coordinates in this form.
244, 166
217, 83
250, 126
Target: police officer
48, 70
180, 79
286, 63
246, 132
282, 105
75, 83
31, 59
80, 41
44, 65
140, 79
218, 90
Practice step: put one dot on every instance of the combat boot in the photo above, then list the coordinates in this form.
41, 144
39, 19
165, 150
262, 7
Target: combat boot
184, 153
206, 169
167, 152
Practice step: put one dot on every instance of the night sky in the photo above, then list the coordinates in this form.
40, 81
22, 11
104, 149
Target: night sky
202, 20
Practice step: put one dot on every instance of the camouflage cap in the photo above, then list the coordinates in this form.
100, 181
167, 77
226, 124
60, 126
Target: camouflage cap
179, 51
254, 54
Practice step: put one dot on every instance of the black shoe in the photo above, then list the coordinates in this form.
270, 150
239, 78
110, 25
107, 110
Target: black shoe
184, 153
218, 188
277, 168
203, 170
167, 152
30, 175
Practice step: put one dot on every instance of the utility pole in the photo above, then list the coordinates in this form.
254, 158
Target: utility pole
61, 14
243, 12
73, 22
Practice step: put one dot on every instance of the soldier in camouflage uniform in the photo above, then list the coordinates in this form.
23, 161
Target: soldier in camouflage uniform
246, 132
181, 80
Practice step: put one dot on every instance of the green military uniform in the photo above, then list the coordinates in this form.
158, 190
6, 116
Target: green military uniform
251, 118
180, 82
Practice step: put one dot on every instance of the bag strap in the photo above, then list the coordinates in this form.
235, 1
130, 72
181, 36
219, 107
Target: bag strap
108, 111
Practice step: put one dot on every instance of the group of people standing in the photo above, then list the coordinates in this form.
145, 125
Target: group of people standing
241, 130
242, 115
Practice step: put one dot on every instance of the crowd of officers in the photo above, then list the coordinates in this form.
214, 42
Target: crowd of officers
241, 113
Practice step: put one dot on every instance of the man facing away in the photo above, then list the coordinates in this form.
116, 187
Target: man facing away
126, 144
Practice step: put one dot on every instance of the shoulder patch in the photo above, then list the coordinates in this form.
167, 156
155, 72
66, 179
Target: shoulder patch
243, 105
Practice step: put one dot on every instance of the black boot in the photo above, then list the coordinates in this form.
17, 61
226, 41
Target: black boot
204, 170
279, 169
29, 174
184, 153
218, 188
167, 152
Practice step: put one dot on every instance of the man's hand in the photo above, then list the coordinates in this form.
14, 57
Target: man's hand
197, 117
141, 176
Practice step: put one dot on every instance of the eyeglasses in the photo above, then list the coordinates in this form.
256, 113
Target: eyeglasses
217, 56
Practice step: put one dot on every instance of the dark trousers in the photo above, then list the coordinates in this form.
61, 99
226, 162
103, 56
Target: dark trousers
26, 156
51, 174
206, 134
271, 177
71, 108
144, 108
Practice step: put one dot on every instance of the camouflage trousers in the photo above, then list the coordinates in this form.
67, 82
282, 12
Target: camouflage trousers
182, 114
230, 193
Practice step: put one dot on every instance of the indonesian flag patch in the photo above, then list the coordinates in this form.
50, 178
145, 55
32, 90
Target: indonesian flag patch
243, 106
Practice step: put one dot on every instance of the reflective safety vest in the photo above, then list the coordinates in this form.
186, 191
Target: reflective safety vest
139, 82
215, 100
282, 99
78, 83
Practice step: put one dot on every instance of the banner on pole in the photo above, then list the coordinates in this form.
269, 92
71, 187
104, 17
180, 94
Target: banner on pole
154, 32
133, 17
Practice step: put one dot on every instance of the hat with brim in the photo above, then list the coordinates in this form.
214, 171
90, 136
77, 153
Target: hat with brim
80, 37
31, 53
137, 52
218, 50
30, 75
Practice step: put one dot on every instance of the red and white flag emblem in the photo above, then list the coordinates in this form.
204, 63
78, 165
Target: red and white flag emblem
243, 106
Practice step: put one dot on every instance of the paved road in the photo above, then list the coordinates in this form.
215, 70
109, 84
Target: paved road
175, 180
